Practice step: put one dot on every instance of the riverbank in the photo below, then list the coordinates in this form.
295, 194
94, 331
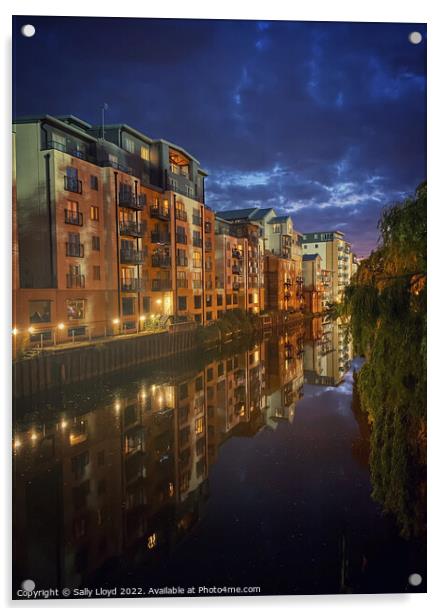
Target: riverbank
58, 366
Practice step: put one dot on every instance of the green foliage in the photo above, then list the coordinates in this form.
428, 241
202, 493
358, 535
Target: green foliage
386, 304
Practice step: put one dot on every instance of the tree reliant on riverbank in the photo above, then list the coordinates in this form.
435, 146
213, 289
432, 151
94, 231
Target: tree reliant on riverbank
386, 304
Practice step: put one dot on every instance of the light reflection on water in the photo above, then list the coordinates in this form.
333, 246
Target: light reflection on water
236, 471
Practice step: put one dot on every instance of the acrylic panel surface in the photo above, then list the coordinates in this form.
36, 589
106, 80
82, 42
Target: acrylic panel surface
219, 308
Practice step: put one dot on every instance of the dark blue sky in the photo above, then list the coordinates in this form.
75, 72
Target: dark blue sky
325, 121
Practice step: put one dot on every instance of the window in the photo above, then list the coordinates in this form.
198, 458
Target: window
182, 280
127, 306
182, 302
199, 425
197, 280
197, 318
75, 309
113, 159
94, 213
219, 300
276, 228
196, 259
94, 182
96, 272
208, 300
228, 300
128, 144
197, 301
96, 242
72, 172
40, 311
208, 316
146, 304
145, 153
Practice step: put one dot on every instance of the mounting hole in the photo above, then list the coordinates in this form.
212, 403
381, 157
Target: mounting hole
415, 579
28, 585
415, 38
28, 30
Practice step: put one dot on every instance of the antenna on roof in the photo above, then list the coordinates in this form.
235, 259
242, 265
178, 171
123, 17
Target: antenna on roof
104, 108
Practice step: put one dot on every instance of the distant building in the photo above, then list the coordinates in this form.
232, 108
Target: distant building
281, 246
336, 256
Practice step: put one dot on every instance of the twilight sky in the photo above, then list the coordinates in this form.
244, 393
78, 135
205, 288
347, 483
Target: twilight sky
324, 121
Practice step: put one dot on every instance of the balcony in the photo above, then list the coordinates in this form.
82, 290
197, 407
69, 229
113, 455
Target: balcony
73, 218
133, 257
74, 249
73, 184
134, 229
161, 261
181, 238
134, 285
75, 281
236, 253
135, 202
182, 261
68, 149
181, 283
197, 242
197, 284
163, 213
159, 284
181, 215
288, 283
160, 238
287, 296
237, 270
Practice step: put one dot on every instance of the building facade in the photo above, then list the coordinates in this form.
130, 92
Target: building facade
112, 229
336, 257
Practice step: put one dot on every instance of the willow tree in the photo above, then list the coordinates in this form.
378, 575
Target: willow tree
386, 303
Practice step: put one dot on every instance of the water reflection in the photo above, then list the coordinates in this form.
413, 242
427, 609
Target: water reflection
110, 485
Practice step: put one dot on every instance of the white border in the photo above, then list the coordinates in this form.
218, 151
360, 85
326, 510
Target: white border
326, 10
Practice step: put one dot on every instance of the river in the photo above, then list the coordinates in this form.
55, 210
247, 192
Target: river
244, 468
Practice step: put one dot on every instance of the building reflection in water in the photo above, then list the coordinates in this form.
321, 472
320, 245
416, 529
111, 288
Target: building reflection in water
126, 479
327, 352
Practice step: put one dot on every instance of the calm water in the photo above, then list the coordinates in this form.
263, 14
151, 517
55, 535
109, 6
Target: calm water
243, 468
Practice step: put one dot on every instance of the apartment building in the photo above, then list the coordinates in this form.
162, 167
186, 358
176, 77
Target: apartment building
336, 257
281, 255
111, 229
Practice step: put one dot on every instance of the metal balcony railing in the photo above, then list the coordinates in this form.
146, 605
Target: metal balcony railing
159, 284
73, 249
181, 215
75, 281
134, 285
135, 229
181, 239
163, 213
73, 218
160, 238
135, 202
135, 257
161, 261
73, 184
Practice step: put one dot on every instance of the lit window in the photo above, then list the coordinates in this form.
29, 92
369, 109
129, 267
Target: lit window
94, 213
145, 153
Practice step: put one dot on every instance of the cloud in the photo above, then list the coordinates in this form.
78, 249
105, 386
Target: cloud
326, 121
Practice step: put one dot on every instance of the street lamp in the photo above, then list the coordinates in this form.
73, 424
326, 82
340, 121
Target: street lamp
15, 331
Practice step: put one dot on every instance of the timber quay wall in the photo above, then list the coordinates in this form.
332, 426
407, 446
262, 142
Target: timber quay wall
65, 366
